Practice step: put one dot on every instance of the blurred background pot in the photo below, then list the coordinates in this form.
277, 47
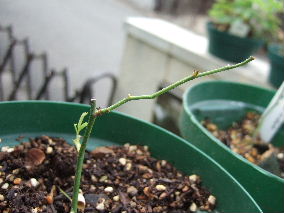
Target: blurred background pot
276, 57
225, 103
57, 119
230, 47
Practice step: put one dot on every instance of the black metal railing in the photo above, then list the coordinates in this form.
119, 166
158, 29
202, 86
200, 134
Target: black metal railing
22, 78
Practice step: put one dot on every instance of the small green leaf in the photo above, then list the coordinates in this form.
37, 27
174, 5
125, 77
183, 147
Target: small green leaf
82, 118
82, 126
78, 128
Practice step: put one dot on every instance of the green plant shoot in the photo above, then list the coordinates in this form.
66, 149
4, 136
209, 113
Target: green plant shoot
94, 113
78, 128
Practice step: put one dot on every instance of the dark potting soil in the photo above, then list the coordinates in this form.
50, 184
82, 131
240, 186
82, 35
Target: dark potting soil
115, 179
239, 137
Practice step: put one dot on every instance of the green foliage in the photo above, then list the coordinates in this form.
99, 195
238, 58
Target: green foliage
78, 128
259, 15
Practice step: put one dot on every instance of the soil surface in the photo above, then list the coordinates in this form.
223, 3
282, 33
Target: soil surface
115, 179
239, 137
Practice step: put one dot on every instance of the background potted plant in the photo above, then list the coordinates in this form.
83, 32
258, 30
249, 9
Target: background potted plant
238, 28
225, 103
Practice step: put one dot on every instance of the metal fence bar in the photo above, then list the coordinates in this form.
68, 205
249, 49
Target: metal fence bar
7, 56
86, 92
66, 83
24, 76
23, 73
43, 90
43, 59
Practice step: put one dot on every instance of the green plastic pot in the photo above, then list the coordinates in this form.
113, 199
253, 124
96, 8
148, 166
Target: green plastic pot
267, 189
56, 119
229, 47
276, 75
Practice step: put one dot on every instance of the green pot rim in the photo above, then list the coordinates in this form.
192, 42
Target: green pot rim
152, 126
213, 138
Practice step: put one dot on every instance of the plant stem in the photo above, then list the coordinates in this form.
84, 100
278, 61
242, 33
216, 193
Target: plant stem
94, 113
195, 75
81, 156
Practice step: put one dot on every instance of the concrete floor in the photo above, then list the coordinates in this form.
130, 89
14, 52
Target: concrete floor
87, 37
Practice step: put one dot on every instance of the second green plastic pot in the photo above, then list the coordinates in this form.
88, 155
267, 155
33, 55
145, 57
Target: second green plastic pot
31, 119
230, 103
276, 75
230, 47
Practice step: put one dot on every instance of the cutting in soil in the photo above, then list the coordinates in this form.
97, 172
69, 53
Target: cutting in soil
46, 174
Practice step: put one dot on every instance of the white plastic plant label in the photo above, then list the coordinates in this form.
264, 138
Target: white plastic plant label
239, 28
273, 117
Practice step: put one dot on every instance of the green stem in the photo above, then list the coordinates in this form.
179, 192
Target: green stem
94, 113
81, 155
195, 75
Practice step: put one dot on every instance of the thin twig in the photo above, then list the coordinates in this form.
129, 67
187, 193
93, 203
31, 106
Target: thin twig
195, 75
94, 113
